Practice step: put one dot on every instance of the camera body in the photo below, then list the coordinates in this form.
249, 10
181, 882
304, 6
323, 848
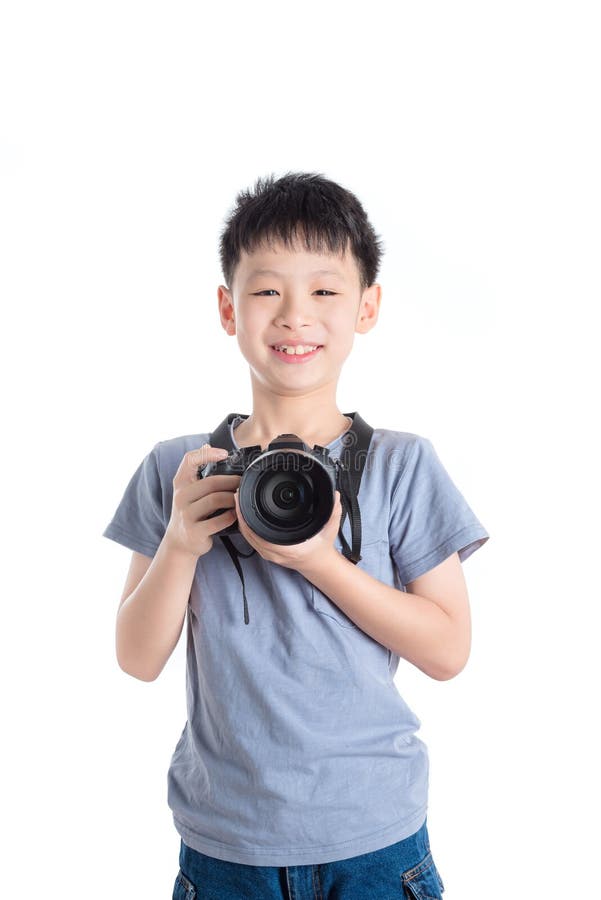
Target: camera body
286, 492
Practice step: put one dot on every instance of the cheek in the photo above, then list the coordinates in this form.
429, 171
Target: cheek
341, 329
249, 327
258, 318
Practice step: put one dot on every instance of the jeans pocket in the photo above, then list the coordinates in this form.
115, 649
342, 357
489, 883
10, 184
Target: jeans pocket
423, 882
183, 888
371, 562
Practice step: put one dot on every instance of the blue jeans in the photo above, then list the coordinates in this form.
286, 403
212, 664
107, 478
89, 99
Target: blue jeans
405, 869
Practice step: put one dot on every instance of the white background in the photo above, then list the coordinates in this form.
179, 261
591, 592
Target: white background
470, 132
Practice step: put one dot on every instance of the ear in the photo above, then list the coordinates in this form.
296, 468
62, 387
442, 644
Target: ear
225, 303
369, 307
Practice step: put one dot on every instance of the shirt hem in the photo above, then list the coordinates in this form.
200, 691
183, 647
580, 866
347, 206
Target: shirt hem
465, 542
262, 856
115, 533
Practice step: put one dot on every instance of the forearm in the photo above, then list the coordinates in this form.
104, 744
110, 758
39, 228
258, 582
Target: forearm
413, 627
150, 621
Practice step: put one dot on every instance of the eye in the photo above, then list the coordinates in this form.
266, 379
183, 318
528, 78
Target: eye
273, 291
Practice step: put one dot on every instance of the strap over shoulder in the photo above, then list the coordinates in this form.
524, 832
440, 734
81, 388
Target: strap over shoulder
356, 443
222, 436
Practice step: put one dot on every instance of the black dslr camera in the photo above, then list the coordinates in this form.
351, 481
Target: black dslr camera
286, 493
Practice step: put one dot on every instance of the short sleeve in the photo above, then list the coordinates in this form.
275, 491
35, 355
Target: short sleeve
429, 518
138, 522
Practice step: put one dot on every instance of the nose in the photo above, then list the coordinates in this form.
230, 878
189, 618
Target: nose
292, 312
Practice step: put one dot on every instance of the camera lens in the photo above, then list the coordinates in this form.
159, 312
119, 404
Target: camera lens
286, 495
284, 499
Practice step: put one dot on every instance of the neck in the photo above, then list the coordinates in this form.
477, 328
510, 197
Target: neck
312, 425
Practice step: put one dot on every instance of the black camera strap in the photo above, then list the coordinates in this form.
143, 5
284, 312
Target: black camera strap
356, 443
349, 469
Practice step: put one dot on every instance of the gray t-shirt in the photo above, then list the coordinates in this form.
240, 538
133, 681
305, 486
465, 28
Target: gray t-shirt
298, 748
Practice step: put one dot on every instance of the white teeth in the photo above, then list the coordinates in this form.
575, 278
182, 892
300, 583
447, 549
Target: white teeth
298, 350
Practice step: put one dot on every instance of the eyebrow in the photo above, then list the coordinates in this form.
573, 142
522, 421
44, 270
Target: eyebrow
312, 274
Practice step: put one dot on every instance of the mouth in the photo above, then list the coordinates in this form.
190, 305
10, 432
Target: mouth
292, 354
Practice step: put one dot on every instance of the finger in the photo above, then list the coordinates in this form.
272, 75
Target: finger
337, 509
245, 530
241, 522
188, 467
204, 506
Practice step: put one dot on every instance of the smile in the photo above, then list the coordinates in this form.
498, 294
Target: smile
292, 356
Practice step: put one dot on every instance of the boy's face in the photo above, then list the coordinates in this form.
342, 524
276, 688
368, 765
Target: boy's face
294, 302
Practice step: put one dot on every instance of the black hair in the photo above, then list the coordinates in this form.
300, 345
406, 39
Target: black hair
325, 214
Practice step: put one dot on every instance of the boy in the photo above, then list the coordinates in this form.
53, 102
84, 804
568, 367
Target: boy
298, 772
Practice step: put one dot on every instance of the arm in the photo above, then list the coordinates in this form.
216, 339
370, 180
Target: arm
151, 616
153, 607
429, 625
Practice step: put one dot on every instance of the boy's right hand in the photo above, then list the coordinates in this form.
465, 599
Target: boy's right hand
194, 499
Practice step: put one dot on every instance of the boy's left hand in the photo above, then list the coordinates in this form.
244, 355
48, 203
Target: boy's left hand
306, 555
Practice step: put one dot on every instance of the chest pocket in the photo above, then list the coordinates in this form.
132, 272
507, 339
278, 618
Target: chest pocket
370, 562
